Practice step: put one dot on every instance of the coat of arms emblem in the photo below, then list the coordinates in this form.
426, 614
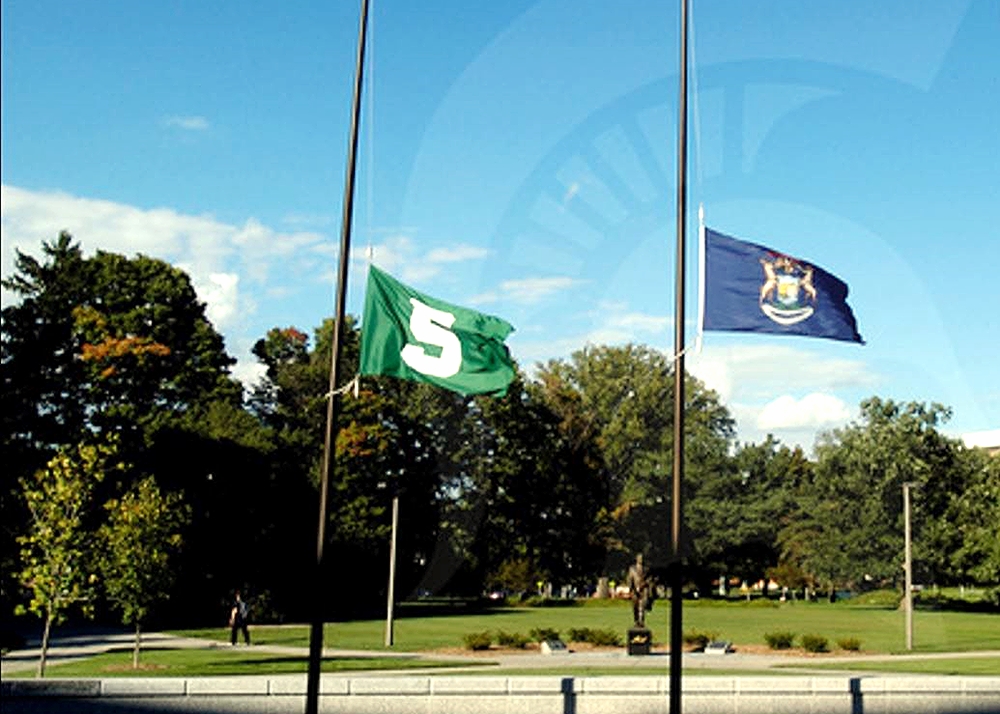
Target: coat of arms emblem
787, 295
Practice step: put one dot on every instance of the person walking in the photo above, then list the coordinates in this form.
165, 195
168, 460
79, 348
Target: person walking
239, 616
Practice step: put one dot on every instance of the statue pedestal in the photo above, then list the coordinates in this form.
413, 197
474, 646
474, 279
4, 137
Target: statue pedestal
640, 639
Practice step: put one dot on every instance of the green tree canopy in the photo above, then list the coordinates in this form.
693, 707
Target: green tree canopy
137, 541
56, 557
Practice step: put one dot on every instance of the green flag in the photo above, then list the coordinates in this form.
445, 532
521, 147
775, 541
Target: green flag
410, 335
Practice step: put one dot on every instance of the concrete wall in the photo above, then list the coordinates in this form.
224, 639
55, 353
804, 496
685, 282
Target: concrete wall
514, 695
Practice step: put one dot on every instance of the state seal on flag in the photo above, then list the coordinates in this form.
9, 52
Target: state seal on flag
787, 295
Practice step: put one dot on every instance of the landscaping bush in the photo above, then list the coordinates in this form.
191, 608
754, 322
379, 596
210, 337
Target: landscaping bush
851, 644
478, 640
540, 634
516, 640
698, 638
888, 599
540, 601
598, 637
814, 643
779, 640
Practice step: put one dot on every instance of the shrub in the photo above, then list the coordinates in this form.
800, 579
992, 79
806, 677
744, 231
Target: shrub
601, 638
851, 644
540, 601
779, 640
888, 599
699, 639
516, 640
478, 641
814, 643
579, 634
540, 634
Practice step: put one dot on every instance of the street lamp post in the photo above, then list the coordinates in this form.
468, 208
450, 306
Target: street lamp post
908, 564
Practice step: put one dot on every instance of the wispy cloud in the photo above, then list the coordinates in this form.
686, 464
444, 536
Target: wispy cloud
456, 254
761, 371
189, 123
533, 290
399, 255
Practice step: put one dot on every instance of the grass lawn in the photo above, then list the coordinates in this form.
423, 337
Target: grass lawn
425, 630
744, 624
221, 661
966, 666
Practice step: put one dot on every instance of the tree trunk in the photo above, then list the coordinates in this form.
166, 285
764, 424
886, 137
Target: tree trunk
45, 646
136, 646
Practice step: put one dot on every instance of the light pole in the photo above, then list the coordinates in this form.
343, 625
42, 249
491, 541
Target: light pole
908, 564
391, 590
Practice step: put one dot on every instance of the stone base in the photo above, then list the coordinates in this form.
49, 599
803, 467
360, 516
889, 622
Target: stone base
640, 639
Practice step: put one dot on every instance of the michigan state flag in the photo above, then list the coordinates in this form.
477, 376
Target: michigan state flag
750, 288
410, 335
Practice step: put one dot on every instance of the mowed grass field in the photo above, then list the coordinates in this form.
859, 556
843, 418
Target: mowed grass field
430, 629
743, 624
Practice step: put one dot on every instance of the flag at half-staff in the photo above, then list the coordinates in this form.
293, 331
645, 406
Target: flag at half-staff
410, 335
751, 288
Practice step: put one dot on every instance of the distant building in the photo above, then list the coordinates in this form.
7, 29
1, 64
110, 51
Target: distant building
988, 440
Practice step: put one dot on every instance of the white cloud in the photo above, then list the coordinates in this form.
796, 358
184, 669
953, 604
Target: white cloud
221, 295
456, 254
191, 123
532, 290
986, 439
813, 411
761, 371
219, 257
398, 255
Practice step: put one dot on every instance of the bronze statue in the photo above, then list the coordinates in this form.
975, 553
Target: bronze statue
640, 588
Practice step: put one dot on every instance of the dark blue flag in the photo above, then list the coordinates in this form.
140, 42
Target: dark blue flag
751, 288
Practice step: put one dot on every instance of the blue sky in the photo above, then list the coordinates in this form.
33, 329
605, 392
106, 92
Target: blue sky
520, 158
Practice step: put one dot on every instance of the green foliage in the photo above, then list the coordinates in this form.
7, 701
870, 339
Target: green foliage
96, 346
516, 575
141, 534
699, 638
540, 634
845, 528
779, 640
599, 637
515, 640
849, 644
888, 599
56, 547
815, 643
478, 640
541, 601
610, 401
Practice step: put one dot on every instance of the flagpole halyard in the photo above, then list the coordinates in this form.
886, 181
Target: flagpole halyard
699, 337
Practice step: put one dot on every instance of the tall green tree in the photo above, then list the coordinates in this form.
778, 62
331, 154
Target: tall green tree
56, 556
97, 346
534, 499
136, 543
620, 398
961, 541
848, 530
380, 451
742, 509
104, 344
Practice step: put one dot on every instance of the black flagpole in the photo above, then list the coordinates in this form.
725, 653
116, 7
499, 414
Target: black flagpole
676, 555
319, 596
